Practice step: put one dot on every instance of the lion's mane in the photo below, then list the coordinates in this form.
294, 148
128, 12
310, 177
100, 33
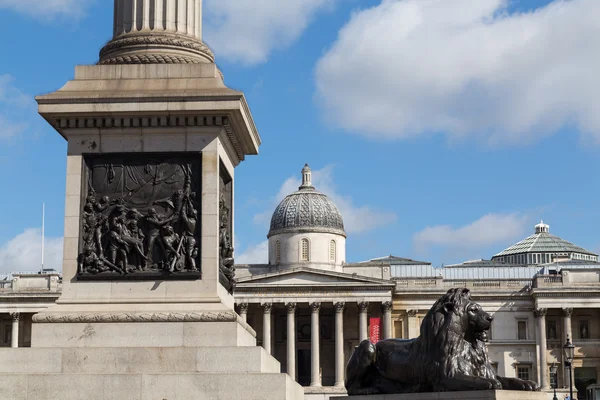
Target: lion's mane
447, 346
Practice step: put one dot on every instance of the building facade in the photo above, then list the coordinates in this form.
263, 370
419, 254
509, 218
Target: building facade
310, 307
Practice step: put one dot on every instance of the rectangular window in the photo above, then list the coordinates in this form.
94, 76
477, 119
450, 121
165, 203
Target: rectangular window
584, 329
551, 329
398, 330
522, 330
523, 372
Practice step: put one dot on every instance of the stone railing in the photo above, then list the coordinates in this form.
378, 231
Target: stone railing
479, 284
24, 282
541, 281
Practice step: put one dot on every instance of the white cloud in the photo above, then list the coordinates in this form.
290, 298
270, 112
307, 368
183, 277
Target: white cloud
465, 68
248, 30
357, 219
23, 252
14, 105
48, 9
488, 230
258, 254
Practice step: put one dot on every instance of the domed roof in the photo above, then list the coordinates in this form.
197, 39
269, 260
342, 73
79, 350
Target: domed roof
306, 210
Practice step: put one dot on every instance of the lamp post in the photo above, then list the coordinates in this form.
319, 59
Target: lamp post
569, 351
553, 369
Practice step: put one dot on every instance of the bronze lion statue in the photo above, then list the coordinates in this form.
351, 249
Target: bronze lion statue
449, 355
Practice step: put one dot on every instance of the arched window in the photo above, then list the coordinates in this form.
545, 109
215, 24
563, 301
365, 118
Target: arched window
332, 251
304, 250
277, 252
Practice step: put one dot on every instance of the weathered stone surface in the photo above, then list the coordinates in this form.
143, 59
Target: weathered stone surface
245, 386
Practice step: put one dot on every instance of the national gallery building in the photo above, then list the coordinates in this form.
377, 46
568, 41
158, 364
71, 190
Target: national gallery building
310, 307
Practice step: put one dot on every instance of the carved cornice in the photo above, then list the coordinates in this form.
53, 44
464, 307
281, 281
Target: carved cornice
339, 306
363, 306
291, 307
315, 307
155, 49
133, 121
205, 316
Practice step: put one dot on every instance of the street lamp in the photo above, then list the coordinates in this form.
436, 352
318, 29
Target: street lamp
553, 370
569, 350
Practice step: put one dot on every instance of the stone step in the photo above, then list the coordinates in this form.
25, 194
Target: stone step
199, 386
137, 360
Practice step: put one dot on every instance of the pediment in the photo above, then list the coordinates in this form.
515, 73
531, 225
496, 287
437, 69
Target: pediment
311, 277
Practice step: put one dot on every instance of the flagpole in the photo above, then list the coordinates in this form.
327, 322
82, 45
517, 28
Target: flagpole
43, 226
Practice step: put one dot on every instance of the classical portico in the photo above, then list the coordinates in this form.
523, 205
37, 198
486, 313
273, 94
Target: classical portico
311, 319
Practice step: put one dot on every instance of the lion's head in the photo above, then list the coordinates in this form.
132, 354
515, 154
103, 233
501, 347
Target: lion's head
456, 313
453, 332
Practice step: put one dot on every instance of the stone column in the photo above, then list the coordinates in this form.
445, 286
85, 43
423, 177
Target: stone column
386, 307
244, 311
291, 339
267, 326
362, 320
315, 375
540, 318
183, 17
567, 333
14, 340
339, 344
412, 328
157, 32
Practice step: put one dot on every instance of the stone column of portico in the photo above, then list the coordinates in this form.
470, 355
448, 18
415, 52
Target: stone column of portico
315, 375
362, 320
567, 333
291, 339
267, 326
244, 311
339, 344
386, 306
540, 318
14, 339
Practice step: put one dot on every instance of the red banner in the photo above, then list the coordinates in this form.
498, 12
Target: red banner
375, 329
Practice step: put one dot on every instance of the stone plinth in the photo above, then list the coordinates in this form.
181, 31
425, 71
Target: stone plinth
474, 395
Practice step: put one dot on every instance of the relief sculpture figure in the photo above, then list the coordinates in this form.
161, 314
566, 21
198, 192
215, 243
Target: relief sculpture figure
145, 222
449, 355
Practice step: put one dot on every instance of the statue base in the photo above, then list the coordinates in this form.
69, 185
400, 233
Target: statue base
473, 395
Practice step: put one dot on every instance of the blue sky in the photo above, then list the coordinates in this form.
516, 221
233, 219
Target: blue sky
443, 130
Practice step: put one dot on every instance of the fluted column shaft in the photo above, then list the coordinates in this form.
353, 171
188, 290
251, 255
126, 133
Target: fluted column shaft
14, 340
291, 339
267, 326
244, 311
177, 16
315, 375
387, 319
540, 317
362, 321
339, 344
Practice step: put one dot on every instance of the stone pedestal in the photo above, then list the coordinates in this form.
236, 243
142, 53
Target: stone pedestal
474, 395
146, 310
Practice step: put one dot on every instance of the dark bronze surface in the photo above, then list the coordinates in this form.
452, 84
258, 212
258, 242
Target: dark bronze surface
140, 217
226, 267
449, 355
